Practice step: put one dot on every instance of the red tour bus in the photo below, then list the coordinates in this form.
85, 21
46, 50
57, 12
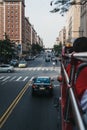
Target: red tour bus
72, 117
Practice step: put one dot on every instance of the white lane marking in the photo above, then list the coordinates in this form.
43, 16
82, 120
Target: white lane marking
42, 69
25, 78
6, 78
19, 78
32, 78
34, 68
2, 77
46, 69
13, 78
51, 68
39, 68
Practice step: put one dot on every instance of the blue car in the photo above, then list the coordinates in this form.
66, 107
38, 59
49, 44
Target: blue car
41, 85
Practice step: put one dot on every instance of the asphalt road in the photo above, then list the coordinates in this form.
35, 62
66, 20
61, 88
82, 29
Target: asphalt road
19, 110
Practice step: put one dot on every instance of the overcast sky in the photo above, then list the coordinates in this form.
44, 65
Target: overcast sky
46, 24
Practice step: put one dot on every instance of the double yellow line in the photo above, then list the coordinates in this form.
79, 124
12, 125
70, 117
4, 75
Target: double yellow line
13, 104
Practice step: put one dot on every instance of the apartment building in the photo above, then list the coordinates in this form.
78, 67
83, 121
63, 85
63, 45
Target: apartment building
2, 33
12, 21
27, 35
73, 22
62, 36
33, 35
16, 26
83, 18
39, 41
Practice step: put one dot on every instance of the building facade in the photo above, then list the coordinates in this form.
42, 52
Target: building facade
73, 23
27, 35
62, 36
16, 26
12, 22
39, 41
83, 18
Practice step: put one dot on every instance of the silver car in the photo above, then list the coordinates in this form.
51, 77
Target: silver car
6, 68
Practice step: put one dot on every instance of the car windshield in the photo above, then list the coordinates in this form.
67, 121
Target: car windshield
42, 80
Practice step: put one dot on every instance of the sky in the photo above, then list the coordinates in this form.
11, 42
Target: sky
46, 24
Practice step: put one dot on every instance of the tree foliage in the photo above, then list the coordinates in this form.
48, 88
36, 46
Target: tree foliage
57, 49
62, 6
36, 48
6, 50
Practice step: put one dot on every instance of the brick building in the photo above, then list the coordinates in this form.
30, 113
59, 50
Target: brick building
12, 21
16, 26
27, 35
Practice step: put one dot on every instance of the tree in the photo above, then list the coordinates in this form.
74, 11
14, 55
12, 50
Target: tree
6, 50
57, 49
62, 6
36, 48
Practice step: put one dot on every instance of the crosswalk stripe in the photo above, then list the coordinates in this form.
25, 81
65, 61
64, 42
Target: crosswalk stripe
25, 78
2, 77
6, 78
22, 78
13, 78
34, 68
42, 68
19, 78
39, 68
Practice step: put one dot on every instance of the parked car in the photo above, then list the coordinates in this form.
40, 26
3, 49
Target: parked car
41, 85
22, 64
14, 62
6, 68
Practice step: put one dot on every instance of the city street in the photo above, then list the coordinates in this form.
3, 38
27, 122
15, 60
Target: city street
19, 109
43, 65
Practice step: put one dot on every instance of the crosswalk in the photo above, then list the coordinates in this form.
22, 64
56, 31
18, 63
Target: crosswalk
14, 78
17, 78
39, 69
23, 77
